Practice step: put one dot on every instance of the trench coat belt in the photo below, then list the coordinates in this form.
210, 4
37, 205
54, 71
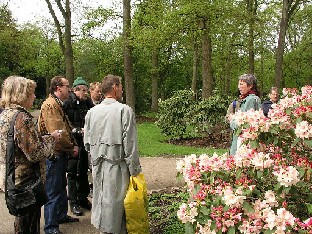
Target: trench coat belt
103, 158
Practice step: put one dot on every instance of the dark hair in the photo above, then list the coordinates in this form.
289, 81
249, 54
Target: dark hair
250, 79
108, 82
56, 81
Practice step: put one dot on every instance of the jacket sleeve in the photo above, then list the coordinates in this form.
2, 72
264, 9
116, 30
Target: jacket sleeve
34, 146
86, 135
130, 141
55, 120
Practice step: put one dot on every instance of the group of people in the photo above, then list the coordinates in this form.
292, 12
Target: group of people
74, 130
77, 127
248, 99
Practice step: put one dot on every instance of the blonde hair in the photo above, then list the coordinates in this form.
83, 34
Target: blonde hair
16, 90
93, 85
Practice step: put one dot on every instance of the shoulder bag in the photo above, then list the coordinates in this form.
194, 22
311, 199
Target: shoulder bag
28, 195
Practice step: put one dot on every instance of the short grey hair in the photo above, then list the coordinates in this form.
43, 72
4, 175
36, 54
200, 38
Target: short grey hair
250, 80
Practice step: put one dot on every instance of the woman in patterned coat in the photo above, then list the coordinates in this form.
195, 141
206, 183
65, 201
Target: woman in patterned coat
18, 94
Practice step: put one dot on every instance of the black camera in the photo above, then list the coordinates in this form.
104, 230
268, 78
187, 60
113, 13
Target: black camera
77, 133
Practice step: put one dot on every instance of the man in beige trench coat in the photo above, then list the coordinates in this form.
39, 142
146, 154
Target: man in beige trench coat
110, 136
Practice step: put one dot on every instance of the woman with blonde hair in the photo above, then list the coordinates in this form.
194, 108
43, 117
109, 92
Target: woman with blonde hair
18, 94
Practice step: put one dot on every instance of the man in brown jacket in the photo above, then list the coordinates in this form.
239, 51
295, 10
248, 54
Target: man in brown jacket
51, 118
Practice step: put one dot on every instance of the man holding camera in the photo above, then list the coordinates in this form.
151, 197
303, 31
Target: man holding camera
76, 108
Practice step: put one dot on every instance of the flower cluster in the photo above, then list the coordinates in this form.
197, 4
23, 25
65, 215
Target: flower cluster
265, 186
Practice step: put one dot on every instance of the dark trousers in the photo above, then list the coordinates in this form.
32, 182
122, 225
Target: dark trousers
77, 178
57, 206
29, 223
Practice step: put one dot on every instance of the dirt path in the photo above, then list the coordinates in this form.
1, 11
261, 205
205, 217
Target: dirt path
160, 172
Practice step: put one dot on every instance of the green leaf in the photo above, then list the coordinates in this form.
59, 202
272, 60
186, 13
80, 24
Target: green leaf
213, 225
295, 142
308, 142
301, 172
231, 230
248, 207
268, 231
254, 144
275, 142
309, 207
189, 228
204, 210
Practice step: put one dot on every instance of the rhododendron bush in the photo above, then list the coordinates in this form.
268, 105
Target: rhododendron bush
265, 187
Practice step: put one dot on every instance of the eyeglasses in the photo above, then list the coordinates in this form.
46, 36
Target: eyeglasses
67, 86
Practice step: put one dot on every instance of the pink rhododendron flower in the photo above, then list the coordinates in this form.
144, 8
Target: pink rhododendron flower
303, 130
287, 176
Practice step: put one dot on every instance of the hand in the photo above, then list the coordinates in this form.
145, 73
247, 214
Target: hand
57, 134
230, 117
76, 150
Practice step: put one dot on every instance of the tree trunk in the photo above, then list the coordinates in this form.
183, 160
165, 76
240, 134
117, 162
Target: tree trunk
289, 6
206, 62
227, 78
195, 67
155, 76
69, 55
251, 9
65, 41
128, 69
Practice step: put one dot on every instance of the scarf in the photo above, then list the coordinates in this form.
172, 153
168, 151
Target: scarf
249, 92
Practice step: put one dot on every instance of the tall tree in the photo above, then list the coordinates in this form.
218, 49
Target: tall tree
64, 34
206, 59
9, 43
195, 69
288, 9
252, 10
128, 65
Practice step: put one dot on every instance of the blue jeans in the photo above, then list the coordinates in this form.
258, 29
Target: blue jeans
57, 206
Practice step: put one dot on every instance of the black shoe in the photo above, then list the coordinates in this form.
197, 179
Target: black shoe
86, 204
76, 210
55, 231
69, 219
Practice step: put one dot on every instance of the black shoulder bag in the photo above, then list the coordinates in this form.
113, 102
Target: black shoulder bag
28, 195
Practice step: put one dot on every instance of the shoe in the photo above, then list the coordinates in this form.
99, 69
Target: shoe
76, 210
86, 204
69, 219
54, 231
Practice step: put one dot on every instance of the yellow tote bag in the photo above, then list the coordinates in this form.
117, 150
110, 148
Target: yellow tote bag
136, 206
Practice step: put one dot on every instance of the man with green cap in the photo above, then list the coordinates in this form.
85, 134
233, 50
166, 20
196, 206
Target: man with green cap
76, 107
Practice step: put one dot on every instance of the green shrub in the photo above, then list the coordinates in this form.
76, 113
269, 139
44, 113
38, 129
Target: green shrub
208, 113
182, 117
172, 112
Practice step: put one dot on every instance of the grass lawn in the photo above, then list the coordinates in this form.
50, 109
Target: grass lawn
153, 144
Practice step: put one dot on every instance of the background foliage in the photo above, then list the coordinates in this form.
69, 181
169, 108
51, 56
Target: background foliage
170, 31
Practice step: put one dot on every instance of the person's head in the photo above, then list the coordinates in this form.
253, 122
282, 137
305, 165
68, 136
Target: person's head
60, 87
247, 83
274, 96
112, 87
18, 90
80, 88
95, 91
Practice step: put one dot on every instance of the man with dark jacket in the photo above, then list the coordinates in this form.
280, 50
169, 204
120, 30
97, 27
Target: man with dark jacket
76, 108
267, 105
